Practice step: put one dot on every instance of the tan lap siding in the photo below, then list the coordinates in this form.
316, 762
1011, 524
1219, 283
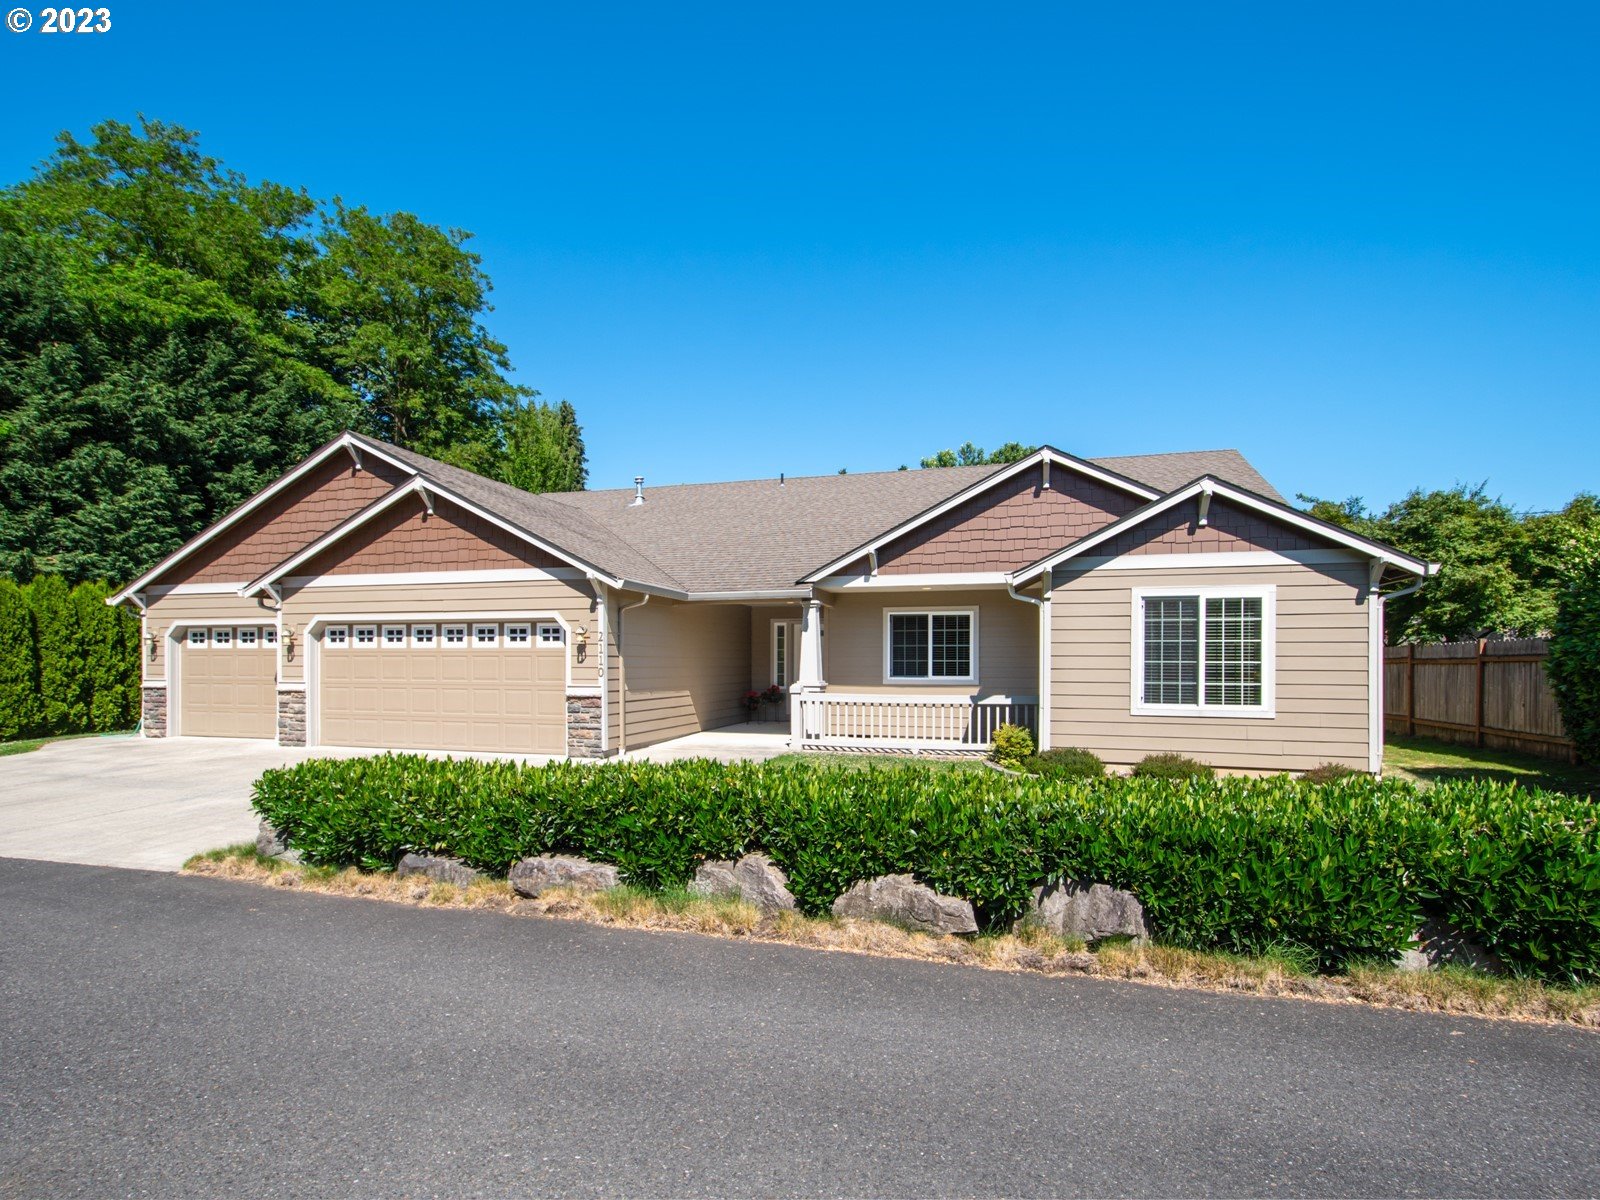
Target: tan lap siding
688, 668
1322, 676
761, 619
1007, 643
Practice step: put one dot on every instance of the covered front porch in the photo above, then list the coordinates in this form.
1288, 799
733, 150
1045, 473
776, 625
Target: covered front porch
913, 670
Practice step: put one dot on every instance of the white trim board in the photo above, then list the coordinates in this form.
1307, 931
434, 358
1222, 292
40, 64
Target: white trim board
1041, 456
889, 583
405, 578
160, 591
1236, 558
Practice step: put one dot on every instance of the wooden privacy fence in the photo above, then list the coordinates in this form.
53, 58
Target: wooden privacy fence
1482, 693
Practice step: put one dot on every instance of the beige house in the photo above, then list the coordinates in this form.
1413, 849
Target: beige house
375, 598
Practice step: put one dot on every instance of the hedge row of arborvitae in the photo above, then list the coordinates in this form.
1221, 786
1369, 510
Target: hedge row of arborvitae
1347, 869
68, 663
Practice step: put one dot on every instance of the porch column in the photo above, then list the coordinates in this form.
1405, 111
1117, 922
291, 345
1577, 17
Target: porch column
810, 679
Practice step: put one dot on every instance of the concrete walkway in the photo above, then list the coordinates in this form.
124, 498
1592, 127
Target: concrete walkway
127, 801
754, 742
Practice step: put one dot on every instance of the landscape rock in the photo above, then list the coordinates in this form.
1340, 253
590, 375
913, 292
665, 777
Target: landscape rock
902, 900
532, 876
1093, 911
1439, 942
755, 879
272, 844
438, 868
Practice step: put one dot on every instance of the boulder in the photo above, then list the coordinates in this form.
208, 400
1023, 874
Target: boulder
438, 868
1091, 911
1439, 942
900, 899
533, 875
272, 844
755, 879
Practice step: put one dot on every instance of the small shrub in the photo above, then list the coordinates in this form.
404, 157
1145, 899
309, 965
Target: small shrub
1172, 766
1327, 773
1066, 763
1575, 645
1012, 744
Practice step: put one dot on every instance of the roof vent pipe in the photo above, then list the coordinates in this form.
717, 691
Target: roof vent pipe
638, 490
780, 479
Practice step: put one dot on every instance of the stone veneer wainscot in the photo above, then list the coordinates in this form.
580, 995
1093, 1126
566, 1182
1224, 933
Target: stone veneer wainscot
583, 727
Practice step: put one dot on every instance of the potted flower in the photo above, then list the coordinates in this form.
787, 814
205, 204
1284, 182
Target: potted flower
774, 696
752, 705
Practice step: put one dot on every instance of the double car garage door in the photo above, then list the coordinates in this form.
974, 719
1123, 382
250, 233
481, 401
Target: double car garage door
490, 685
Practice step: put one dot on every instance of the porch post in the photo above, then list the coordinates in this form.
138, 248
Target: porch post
810, 681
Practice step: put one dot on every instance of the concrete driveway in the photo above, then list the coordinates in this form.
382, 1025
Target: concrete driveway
133, 802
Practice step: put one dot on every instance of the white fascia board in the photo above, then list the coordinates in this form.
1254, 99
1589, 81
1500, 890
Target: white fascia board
340, 444
791, 593
1217, 487
408, 578
891, 583
1225, 558
1043, 455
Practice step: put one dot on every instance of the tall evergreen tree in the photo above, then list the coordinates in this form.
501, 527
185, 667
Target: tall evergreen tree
63, 680
544, 449
110, 641
19, 665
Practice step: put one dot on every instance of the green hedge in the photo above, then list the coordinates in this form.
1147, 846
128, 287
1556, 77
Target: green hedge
1347, 870
68, 663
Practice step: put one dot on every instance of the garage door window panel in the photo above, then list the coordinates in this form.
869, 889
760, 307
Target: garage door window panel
365, 637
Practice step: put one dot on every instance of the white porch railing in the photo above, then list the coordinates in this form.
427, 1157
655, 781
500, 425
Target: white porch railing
908, 722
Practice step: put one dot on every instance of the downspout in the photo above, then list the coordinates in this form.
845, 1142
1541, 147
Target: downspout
1043, 606
622, 678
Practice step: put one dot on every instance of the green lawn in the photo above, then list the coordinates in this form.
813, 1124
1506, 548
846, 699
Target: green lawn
26, 744
1430, 762
868, 762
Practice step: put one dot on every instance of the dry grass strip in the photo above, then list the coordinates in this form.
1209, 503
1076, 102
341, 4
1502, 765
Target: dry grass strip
1446, 991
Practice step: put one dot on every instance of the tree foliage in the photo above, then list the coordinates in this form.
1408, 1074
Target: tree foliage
1574, 662
68, 663
971, 455
1500, 571
174, 336
544, 449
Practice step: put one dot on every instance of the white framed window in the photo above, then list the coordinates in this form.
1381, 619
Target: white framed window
455, 635
551, 635
336, 637
394, 636
422, 637
364, 636
930, 645
222, 639
248, 638
269, 635
486, 637
1204, 651
197, 639
519, 635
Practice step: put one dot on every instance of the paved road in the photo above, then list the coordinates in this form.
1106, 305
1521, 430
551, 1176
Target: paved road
174, 1036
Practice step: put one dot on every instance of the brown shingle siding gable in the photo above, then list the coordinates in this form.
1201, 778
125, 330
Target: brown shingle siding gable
329, 493
405, 537
1009, 526
1229, 529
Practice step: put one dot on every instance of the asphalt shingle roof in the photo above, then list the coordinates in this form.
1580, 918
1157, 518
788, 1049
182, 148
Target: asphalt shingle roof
760, 534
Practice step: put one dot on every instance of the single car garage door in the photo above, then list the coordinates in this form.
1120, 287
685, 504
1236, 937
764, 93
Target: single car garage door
456, 685
227, 682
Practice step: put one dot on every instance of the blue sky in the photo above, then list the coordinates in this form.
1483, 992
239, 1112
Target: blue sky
1360, 243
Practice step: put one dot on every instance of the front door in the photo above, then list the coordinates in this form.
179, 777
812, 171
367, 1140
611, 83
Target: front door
785, 653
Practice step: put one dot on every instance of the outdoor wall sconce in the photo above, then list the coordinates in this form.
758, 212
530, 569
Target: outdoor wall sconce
153, 642
580, 635
288, 643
